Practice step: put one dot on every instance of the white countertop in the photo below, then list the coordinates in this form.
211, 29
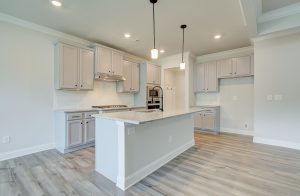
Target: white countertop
205, 106
140, 117
88, 109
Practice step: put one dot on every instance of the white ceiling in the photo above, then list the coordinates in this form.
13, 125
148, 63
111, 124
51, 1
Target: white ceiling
105, 21
269, 5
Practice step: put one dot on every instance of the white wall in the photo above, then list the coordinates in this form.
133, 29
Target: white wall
277, 73
236, 98
104, 93
27, 97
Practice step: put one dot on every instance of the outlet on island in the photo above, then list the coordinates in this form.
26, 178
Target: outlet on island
6, 139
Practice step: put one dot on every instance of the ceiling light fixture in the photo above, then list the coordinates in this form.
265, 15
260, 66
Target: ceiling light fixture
218, 36
56, 3
127, 35
154, 51
182, 64
162, 51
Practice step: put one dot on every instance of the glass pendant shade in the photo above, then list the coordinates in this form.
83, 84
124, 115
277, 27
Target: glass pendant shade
182, 65
154, 53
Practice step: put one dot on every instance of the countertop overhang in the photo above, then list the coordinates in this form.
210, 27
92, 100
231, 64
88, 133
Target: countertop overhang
140, 117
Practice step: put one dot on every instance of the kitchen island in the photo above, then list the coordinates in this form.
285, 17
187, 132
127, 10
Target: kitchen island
131, 145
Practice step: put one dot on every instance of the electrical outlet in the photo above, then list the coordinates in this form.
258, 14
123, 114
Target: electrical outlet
170, 139
278, 97
6, 139
131, 131
270, 97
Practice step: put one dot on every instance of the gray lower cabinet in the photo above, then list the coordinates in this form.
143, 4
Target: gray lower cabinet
208, 120
74, 130
89, 127
74, 133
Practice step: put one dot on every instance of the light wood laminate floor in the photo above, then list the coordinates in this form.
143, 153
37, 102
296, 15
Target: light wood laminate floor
216, 165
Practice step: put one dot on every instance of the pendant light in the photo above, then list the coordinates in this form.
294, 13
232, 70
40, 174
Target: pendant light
154, 51
182, 64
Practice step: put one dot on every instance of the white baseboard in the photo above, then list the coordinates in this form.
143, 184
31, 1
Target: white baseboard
237, 131
279, 143
145, 171
25, 151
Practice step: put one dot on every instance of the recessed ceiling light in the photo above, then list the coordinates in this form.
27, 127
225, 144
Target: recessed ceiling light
218, 36
162, 51
127, 35
56, 3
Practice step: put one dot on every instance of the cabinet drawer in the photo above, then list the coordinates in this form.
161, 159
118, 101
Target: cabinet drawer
89, 114
74, 116
210, 111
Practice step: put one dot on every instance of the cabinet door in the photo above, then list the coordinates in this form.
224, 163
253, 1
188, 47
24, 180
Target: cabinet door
150, 74
156, 74
242, 66
89, 129
86, 69
224, 68
74, 133
198, 120
252, 64
117, 63
135, 82
68, 66
127, 73
199, 78
208, 121
211, 80
103, 60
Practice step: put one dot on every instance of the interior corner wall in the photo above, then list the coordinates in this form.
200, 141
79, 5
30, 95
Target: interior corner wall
277, 122
28, 98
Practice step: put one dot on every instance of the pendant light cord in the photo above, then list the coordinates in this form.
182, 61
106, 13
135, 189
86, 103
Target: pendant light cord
154, 26
182, 45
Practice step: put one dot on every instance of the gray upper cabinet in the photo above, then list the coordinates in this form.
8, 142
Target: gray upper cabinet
108, 61
235, 67
74, 67
86, 69
211, 80
103, 60
241, 66
199, 78
135, 83
205, 78
224, 68
117, 63
132, 74
153, 74
252, 64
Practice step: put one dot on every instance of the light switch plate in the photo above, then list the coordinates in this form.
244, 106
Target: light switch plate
6, 139
131, 131
278, 97
269, 97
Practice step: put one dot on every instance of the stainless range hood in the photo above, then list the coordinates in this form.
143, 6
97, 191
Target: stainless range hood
109, 77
